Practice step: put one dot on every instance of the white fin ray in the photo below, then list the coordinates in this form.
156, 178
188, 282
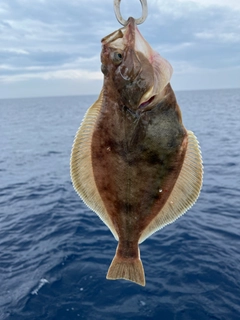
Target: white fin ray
184, 193
81, 165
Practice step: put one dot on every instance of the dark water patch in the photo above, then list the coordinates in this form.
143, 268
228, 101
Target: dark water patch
51, 153
55, 252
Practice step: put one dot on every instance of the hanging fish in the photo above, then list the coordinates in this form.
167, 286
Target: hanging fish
133, 162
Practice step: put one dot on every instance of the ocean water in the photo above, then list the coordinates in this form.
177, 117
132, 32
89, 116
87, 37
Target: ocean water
55, 252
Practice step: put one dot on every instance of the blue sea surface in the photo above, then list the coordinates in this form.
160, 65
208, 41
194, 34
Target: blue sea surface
55, 252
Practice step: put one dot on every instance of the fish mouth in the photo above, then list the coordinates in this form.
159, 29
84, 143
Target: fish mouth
144, 105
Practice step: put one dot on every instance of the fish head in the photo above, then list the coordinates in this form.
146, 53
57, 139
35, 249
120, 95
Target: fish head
137, 72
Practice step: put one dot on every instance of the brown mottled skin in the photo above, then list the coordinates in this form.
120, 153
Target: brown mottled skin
137, 152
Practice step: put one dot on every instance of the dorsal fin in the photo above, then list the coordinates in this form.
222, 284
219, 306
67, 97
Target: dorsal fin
184, 193
81, 165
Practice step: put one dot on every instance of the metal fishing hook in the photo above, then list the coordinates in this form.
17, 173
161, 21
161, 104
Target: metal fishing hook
123, 21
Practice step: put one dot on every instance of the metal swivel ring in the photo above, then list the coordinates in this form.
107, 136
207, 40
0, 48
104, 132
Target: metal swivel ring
123, 21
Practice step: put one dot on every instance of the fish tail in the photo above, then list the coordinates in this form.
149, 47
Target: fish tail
128, 268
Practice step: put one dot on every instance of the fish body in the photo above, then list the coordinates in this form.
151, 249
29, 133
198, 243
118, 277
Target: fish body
133, 162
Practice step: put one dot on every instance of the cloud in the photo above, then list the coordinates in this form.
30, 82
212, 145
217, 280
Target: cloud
173, 48
3, 8
58, 74
83, 66
216, 36
42, 40
232, 4
14, 50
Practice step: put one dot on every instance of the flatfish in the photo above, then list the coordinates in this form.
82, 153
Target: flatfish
133, 162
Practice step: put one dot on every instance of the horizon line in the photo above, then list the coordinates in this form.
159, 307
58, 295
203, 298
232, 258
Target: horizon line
96, 94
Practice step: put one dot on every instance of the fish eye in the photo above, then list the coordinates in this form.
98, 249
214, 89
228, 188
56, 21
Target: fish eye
116, 57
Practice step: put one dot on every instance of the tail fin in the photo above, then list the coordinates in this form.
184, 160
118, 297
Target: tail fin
128, 269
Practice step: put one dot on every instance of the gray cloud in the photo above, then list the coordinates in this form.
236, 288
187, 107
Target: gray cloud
50, 39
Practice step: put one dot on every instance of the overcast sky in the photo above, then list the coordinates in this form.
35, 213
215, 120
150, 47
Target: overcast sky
52, 47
